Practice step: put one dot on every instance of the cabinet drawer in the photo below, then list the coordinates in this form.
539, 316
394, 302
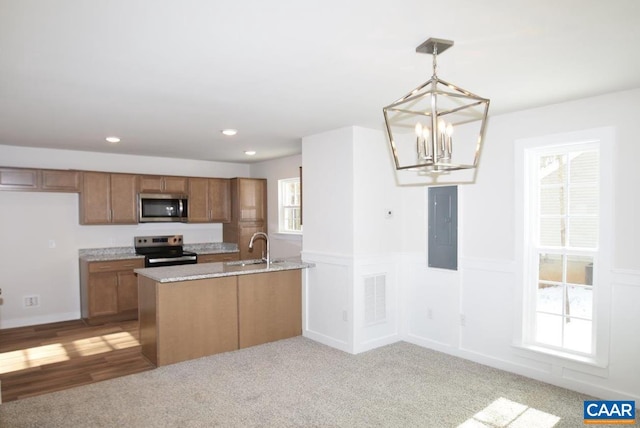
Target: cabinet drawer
115, 265
213, 258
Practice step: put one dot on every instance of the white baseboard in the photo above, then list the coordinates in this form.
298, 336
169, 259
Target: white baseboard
43, 319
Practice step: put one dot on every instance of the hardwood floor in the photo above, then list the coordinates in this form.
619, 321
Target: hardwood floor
39, 359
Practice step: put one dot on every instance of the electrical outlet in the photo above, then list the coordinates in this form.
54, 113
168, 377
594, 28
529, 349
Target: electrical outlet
430, 313
463, 320
345, 316
52, 243
31, 301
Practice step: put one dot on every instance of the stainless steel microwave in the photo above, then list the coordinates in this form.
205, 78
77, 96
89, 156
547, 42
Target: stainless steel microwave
161, 207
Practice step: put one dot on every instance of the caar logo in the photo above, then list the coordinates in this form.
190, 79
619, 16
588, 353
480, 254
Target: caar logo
609, 412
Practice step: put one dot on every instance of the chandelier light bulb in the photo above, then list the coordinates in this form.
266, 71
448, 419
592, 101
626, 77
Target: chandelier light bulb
419, 129
449, 130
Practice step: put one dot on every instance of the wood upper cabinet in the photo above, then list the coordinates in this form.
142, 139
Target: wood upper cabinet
249, 199
248, 215
209, 200
108, 198
55, 180
18, 179
109, 290
159, 184
47, 180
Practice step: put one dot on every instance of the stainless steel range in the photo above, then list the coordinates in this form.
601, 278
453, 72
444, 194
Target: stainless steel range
163, 250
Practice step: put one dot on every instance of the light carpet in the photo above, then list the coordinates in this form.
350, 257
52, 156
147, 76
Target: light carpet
299, 382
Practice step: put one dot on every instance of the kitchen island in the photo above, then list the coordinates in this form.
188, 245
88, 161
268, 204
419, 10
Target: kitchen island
191, 311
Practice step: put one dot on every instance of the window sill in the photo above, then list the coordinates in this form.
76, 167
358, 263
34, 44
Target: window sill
576, 362
287, 236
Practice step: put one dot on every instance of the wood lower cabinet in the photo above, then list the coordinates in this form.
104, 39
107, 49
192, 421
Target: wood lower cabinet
216, 258
108, 198
181, 321
109, 290
270, 307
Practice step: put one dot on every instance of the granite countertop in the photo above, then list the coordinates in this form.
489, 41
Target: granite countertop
216, 270
121, 253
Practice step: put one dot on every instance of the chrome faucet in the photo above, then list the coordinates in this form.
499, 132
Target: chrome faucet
266, 238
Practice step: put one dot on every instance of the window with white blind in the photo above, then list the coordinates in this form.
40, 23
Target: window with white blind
289, 210
565, 263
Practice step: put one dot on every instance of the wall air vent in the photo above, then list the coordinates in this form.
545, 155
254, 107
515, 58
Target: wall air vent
375, 301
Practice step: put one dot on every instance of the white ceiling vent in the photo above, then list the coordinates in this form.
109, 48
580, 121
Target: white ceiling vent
375, 301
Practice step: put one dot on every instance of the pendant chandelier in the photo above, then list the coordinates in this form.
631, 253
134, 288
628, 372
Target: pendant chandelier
437, 127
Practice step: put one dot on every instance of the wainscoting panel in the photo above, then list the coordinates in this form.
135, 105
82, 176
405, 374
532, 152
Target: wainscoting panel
327, 297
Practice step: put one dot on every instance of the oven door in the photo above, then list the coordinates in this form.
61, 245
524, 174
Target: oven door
170, 260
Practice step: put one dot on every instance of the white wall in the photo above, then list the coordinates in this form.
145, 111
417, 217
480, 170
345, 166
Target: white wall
350, 237
281, 245
430, 302
30, 220
486, 288
327, 177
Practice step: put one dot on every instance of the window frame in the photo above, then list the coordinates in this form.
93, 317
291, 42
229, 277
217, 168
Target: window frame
281, 206
524, 337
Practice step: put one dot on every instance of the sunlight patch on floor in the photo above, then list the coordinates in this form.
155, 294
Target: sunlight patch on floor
506, 413
38, 356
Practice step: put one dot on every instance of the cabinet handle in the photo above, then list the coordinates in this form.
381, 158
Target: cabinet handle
129, 265
104, 267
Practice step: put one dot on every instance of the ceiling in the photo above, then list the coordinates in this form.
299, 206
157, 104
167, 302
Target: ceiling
167, 76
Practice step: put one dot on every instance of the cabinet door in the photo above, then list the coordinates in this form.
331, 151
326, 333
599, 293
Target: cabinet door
245, 232
252, 199
18, 179
159, 184
124, 199
198, 200
177, 185
127, 291
95, 198
150, 184
60, 180
269, 307
103, 294
219, 200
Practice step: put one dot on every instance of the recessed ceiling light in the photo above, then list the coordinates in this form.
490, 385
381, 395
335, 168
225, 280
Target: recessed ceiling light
250, 152
229, 132
113, 139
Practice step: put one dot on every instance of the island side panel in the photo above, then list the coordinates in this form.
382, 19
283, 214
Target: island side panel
196, 318
269, 307
147, 318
